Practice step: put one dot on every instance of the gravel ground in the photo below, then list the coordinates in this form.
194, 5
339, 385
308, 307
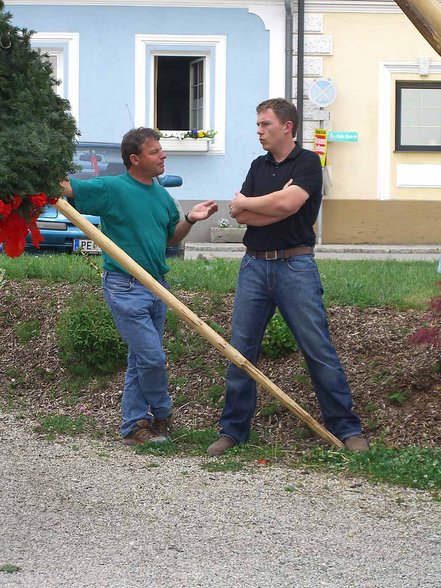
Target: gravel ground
83, 513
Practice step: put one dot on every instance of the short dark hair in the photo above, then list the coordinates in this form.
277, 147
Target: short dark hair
133, 140
284, 111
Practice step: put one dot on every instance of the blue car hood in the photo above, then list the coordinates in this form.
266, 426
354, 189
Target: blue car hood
49, 212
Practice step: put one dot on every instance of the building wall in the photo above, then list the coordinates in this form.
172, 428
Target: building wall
394, 222
105, 40
362, 48
367, 51
375, 195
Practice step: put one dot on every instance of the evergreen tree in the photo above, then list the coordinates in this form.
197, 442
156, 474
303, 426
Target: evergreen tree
37, 133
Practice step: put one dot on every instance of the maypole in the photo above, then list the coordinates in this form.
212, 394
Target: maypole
192, 319
426, 16
37, 145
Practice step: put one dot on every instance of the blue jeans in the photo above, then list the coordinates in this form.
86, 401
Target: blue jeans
293, 285
139, 316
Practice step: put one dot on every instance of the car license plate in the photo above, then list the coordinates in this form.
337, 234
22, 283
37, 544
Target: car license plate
86, 245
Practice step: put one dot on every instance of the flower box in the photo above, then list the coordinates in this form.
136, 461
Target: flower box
175, 145
227, 234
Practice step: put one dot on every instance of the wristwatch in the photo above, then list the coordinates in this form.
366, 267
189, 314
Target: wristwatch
188, 220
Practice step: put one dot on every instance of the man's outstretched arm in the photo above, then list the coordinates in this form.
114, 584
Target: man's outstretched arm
67, 189
201, 211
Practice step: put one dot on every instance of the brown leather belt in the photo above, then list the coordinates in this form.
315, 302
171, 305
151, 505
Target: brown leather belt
281, 253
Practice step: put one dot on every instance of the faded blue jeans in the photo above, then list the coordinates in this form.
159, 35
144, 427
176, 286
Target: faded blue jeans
293, 285
139, 316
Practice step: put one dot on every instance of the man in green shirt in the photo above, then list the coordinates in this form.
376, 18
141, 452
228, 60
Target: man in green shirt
139, 216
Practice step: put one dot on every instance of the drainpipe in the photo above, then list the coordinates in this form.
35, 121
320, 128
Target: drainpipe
300, 65
289, 31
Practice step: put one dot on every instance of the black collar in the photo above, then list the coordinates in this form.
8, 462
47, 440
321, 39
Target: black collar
293, 155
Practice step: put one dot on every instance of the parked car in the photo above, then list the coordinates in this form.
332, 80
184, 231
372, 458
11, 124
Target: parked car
95, 159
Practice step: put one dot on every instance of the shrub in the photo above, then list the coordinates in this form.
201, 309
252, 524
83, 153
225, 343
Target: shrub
278, 340
87, 336
431, 334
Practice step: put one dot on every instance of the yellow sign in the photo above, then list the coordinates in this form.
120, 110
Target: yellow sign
321, 144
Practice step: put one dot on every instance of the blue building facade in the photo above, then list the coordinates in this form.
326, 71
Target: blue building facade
173, 65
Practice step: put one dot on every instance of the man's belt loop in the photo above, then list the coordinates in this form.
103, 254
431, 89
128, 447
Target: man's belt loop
281, 253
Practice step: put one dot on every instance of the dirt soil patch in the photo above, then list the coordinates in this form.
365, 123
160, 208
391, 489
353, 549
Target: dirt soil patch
396, 386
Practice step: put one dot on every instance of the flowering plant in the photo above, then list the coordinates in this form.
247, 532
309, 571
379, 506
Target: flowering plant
223, 223
192, 134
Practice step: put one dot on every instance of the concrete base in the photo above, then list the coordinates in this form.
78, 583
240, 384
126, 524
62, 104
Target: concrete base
213, 250
227, 234
399, 252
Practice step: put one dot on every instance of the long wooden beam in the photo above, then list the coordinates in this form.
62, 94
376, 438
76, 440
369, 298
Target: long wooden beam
426, 16
192, 319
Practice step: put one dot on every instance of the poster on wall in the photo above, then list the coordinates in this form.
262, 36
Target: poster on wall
321, 144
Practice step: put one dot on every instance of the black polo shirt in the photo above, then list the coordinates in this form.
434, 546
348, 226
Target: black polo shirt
266, 176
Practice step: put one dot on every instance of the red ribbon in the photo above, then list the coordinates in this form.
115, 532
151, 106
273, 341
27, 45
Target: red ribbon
14, 227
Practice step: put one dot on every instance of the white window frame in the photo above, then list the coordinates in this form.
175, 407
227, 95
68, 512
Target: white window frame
386, 116
183, 45
195, 65
54, 42
59, 72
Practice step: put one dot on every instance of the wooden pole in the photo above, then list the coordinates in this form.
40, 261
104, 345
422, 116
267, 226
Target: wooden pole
426, 16
192, 319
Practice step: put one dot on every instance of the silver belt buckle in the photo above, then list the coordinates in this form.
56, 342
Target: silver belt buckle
271, 255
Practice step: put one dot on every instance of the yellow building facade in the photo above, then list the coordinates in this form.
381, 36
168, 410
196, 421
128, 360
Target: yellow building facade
384, 187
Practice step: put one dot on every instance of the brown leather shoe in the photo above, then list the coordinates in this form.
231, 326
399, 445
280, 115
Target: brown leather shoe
356, 443
161, 430
142, 433
221, 446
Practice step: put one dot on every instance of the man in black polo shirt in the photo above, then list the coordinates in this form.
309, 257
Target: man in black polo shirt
279, 202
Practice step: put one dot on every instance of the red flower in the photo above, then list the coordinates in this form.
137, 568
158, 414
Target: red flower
5, 209
16, 201
38, 199
14, 228
52, 201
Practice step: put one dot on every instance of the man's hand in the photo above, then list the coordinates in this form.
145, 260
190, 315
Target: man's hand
238, 204
199, 212
67, 188
279, 204
203, 210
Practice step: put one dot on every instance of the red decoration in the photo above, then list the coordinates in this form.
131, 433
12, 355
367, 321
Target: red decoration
18, 217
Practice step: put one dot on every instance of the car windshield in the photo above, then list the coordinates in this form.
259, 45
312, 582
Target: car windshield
98, 159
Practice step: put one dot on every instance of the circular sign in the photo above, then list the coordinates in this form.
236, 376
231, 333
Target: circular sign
322, 92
